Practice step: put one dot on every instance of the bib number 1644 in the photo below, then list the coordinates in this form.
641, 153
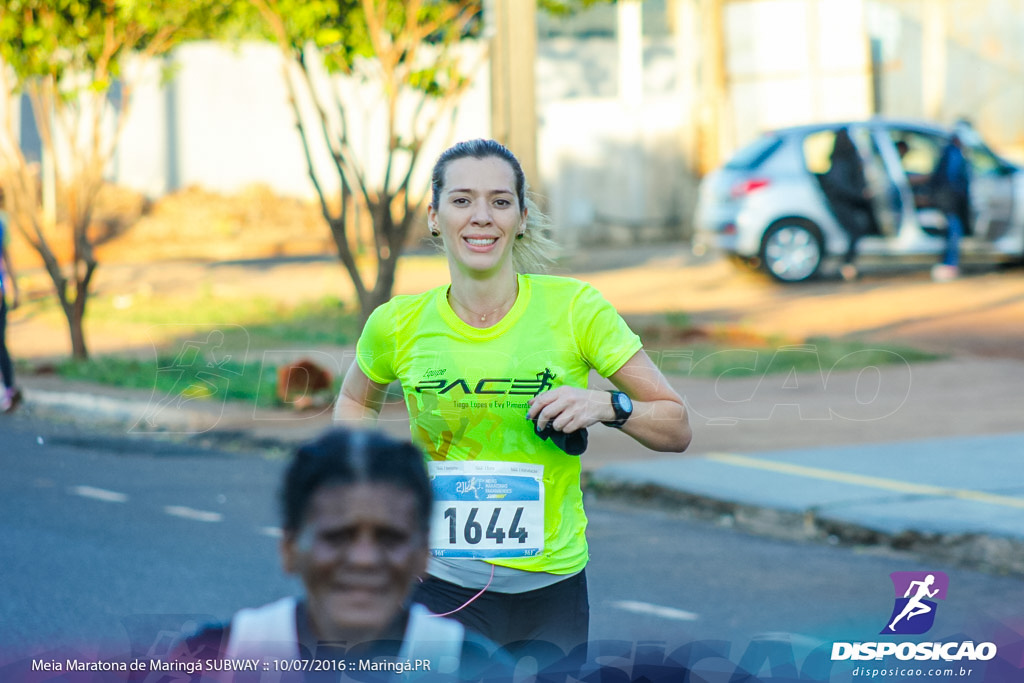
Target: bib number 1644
487, 509
473, 531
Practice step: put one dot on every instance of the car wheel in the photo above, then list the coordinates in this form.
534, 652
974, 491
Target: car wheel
792, 251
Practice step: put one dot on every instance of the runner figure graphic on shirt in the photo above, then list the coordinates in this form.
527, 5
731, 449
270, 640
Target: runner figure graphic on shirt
914, 606
545, 378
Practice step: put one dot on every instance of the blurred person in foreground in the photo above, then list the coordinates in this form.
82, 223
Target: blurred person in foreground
355, 510
11, 396
950, 187
494, 368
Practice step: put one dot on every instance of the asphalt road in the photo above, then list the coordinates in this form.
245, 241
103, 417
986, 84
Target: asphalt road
112, 544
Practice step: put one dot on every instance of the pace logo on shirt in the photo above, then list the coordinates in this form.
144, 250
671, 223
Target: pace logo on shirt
489, 386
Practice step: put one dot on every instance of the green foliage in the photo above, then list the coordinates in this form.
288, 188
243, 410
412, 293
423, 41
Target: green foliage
261, 324
56, 39
344, 33
563, 8
167, 375
247, 322
333, 27
67, 55
243, 329
406, 50
819, 355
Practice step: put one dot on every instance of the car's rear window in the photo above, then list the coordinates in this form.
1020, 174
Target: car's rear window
818, 148
755, 153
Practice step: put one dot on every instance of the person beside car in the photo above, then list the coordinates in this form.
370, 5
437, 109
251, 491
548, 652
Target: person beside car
950, 186
846, 189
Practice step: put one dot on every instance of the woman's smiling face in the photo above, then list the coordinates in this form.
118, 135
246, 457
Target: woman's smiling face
478, 214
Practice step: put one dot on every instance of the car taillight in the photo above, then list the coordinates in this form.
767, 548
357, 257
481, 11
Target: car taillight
745, 187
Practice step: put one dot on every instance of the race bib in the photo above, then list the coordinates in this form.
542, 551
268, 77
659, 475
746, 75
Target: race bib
486, 509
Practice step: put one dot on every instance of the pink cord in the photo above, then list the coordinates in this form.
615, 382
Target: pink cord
465, 604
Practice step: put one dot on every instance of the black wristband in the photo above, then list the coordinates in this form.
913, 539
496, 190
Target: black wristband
623, 407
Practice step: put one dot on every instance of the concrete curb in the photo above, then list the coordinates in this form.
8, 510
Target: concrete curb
985, 552
130, 414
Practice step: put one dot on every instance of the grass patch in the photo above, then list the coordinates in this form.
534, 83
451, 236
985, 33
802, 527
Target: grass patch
192, 374
817, 355
198, 373
218, 351
185, 375
213, 349
254, 322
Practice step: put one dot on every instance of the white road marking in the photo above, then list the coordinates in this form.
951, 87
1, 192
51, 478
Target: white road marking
655, 610
99, 494
272, 531
196, 515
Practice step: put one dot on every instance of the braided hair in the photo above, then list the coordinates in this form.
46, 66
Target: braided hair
342, 456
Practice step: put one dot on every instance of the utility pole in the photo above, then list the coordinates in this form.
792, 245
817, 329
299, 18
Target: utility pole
630, 36
934, 29
714, 88
685, 20
513, 32
631, 54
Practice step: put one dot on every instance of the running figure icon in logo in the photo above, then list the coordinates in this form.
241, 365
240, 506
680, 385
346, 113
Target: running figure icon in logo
916, 588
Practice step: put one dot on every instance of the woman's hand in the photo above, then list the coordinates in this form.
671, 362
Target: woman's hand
569, 409
659, 420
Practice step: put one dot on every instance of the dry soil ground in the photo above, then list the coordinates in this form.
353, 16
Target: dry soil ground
981, 314
978, 320
254, 244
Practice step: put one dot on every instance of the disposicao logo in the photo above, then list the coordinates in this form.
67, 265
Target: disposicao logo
916, 592
913, 614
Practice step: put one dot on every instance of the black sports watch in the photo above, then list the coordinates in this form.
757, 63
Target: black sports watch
623, 407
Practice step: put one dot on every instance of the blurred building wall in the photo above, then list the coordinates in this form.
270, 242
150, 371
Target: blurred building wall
946, 59
224, 122
612, 171
619, 156
725, 71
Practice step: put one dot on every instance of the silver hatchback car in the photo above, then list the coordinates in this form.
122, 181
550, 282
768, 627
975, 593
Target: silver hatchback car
765, 207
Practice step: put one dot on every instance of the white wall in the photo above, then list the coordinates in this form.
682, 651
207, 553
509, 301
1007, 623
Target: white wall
609, 170
984, 64
790, 62
228, 110
612, 170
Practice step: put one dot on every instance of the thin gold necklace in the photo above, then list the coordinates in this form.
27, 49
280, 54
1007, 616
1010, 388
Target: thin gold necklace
483, 316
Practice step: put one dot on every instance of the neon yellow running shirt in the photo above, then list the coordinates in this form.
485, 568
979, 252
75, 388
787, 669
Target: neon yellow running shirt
466, 389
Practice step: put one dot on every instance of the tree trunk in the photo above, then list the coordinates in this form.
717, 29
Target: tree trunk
79, 351
74, 311
383, 287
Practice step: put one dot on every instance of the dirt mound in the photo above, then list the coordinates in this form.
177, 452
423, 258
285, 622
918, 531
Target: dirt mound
193, 223
198, 224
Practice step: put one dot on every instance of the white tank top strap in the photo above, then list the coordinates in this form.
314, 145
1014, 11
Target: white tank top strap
270, 632
433, 639
264, 632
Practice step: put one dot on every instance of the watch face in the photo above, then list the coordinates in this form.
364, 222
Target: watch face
625, 403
